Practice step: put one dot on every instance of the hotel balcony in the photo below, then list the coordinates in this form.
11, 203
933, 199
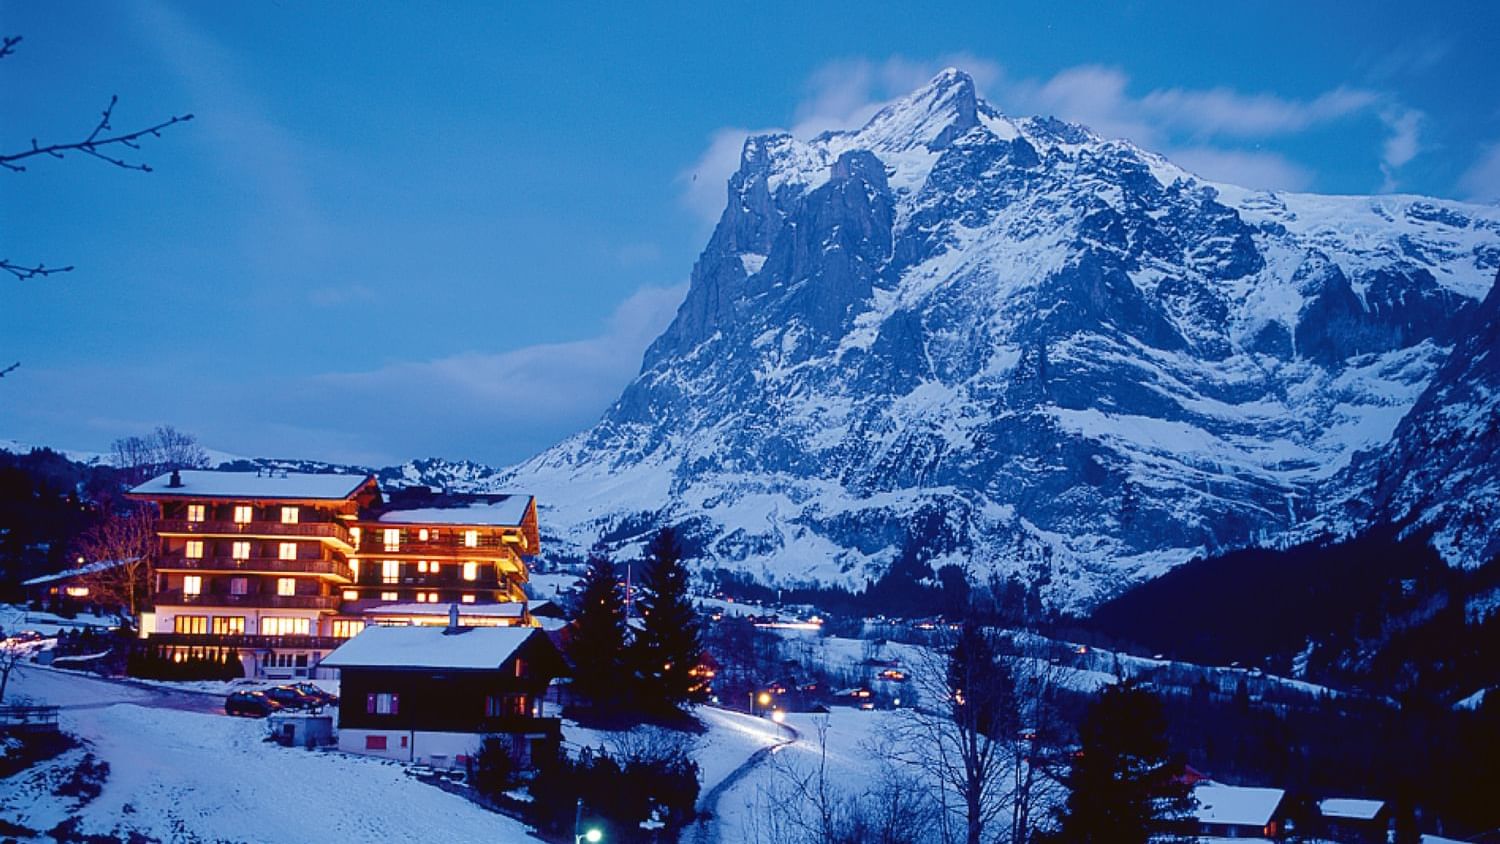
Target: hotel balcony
258, 565
319, 530
245, 641
175, 597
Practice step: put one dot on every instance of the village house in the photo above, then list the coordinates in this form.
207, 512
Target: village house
430, 694
280, 568
1232, 811
1353, 820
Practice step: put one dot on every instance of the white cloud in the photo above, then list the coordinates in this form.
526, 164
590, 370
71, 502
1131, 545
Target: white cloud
1481, 182
1249, 169
1402, 144
704, 182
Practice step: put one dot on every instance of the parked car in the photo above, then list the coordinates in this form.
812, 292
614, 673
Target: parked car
323, 696
253, 704
291, 697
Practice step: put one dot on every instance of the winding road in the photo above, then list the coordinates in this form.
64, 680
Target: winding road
706, 829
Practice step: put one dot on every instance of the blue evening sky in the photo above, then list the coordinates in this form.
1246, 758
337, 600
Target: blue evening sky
396, 231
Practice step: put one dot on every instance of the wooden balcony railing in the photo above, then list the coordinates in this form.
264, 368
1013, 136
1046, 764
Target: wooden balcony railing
319, 530
245, 640
175, 597
270, 565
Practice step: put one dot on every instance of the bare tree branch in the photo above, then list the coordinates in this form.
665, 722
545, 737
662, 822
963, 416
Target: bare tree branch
95, 141
9, 369
8, 44
23, 273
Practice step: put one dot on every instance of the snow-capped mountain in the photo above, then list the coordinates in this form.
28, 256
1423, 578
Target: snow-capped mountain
1004, 342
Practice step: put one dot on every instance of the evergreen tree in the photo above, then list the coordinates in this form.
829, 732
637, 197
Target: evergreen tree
596, 645
1123, 787
669, 643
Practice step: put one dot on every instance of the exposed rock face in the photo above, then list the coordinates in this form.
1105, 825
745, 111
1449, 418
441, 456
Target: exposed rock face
1012, 341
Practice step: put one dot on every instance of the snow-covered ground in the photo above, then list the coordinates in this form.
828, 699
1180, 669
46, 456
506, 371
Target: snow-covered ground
15, 618
193, 776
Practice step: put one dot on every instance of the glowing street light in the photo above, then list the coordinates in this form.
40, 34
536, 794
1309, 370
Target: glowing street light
594, 835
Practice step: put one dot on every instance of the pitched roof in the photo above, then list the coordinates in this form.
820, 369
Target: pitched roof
90, 568
502, 609
202, 483
1235, 805
507, 510
471, 649
1350, 808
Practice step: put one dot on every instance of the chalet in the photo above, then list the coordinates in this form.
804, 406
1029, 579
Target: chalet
280, 568
70, 586
1354, 820
1231, 811
430, 694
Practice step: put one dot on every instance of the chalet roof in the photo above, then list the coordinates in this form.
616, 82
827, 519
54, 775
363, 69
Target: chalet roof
471, 649
1350, 808
90, 568
503, 609
499, 510
1235, 805
203, 483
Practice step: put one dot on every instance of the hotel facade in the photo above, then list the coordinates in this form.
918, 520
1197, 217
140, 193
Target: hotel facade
280, 568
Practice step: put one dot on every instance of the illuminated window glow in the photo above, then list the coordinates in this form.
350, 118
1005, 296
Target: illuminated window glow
229, 625
76, 591
193, 550
389, 596
195, 512
471, 571
240, 550
192, 585
422, 534
422, 566
344, 628
287, 551
392, 539
390, 571
190, 624
468, 599
289, 515
433, 567
471, 539
243, 514
278, 626
286, 585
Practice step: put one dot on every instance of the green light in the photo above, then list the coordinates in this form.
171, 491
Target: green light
593, 836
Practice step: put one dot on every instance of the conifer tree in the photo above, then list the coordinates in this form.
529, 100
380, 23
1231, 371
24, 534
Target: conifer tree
1123, 787
596, 646
669, 643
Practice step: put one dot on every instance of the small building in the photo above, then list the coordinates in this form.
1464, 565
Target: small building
301, 729
429, 695
1354, 820
1232, 811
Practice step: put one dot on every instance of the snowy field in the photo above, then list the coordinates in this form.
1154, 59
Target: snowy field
16, 617
194, 776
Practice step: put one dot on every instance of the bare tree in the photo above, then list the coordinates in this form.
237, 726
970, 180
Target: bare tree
127, 539
103, 143
162, 450
11, 653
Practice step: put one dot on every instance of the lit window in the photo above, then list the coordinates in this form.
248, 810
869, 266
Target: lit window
286, 585
289, 515
422, 534
243, 514
192, 585
432, 597
354, 568
190, 624
468, 599
76, 591
240, 551
471, 539
389, 596
195, 512
433, 567
382, 703
354, 534
193, 550
239, 585
344, 628
351, 594
502, 706
422, 566
421, 597
229, 625
390, 571
277, 626
288, 551
393, 539
471, 571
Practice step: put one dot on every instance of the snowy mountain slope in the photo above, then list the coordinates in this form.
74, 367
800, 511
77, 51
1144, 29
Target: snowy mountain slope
1006, 342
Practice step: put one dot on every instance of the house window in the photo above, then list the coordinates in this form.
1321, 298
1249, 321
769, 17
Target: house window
354, 569
190, 624
422, 534
289, 515
520, 667
393, 539
229, 625
422, 566
195, 512
505, 706
471, 539
278, 626
354, 534
193, 550
433, 567
286, 585
287, 551
243, 514
351, 594
471, 571
390, 571
389, 596
192, 585
382, 703
239, 585
344, 628
374, 742
468, 599
240, 550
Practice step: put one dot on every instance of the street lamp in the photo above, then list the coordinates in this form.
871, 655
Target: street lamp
593, 835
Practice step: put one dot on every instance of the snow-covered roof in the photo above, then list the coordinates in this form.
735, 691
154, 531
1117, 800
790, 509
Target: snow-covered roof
471, 649
504, 609
203, 483
494, 510
91, 568
1350, 808
1235, 805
